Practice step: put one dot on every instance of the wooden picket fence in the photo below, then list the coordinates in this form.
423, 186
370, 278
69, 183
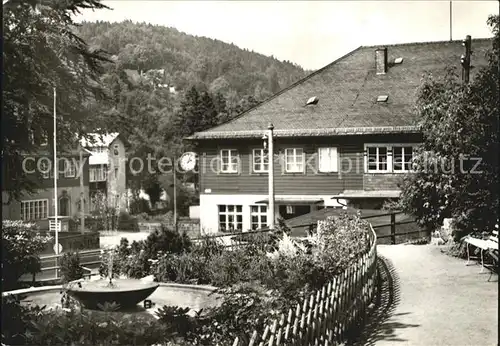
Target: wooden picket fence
326, 316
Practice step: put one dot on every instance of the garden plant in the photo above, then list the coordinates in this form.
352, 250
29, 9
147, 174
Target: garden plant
256, 281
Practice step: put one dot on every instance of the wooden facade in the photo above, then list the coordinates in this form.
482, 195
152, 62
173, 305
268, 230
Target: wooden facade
351, 173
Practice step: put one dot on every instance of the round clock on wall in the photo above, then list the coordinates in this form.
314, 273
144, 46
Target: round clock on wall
188, 161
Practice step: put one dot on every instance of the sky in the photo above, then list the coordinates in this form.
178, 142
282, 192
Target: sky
309, 33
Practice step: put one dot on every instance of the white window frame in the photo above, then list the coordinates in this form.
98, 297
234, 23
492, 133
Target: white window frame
227, 213
390, 156
232, 167
40, 209
98, 173
403, 163
69, 168
259, 214
295, 160
333, 166
263, 166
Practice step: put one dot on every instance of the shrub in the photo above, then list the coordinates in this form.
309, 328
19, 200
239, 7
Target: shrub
166, 240
70, 267
136, 265
21, 245
139, 205
127, 223
189, 267
166, 218
207, 247
94, 223
246, 307
182, 268
338, 241
130, 260
227, 268
142, 217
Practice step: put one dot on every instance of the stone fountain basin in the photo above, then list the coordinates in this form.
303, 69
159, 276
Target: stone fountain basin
126, 293
194, 297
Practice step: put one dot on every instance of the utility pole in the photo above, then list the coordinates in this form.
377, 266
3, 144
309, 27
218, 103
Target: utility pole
465, 59
270, 129
82, 194
175, 194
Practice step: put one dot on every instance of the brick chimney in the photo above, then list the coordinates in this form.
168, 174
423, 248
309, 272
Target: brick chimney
381, 60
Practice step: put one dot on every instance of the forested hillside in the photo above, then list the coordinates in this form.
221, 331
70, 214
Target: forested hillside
213, 81
190, 60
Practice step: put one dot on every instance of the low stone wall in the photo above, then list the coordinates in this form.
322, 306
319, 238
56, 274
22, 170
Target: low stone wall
190, 226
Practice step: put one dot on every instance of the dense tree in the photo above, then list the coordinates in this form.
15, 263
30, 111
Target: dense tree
274, 84
197, 113
21, 246
457, 171
214, 81
191, 60
41, 53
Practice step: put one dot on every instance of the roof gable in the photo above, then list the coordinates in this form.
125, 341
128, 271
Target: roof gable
98, 140
347, 92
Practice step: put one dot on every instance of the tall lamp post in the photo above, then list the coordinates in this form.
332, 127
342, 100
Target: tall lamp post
268, 142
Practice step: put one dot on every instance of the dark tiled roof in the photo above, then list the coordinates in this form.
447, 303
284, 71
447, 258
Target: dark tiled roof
48, 152
348, 89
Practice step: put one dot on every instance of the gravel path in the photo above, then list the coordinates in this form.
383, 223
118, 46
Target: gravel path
429, 298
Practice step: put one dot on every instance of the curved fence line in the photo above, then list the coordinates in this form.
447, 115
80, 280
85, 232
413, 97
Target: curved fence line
329, 313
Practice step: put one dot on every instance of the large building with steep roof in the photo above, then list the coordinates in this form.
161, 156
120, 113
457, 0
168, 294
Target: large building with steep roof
344, 135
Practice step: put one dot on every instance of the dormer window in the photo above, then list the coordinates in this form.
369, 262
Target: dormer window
382, 98
312, 101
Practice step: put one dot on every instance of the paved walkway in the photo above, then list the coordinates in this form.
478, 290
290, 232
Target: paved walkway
429, 298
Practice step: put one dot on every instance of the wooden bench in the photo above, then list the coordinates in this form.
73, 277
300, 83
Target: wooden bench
493, 253
488, 245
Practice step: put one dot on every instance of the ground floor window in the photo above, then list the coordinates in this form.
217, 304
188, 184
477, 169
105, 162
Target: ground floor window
230, 218
35, 209
258, 215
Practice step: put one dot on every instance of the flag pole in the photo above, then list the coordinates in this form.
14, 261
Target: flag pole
175, 194
56, 173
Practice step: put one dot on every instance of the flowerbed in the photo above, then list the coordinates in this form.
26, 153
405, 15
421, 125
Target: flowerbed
258, 281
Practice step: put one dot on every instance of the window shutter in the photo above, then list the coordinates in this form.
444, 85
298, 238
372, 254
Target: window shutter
333, 160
